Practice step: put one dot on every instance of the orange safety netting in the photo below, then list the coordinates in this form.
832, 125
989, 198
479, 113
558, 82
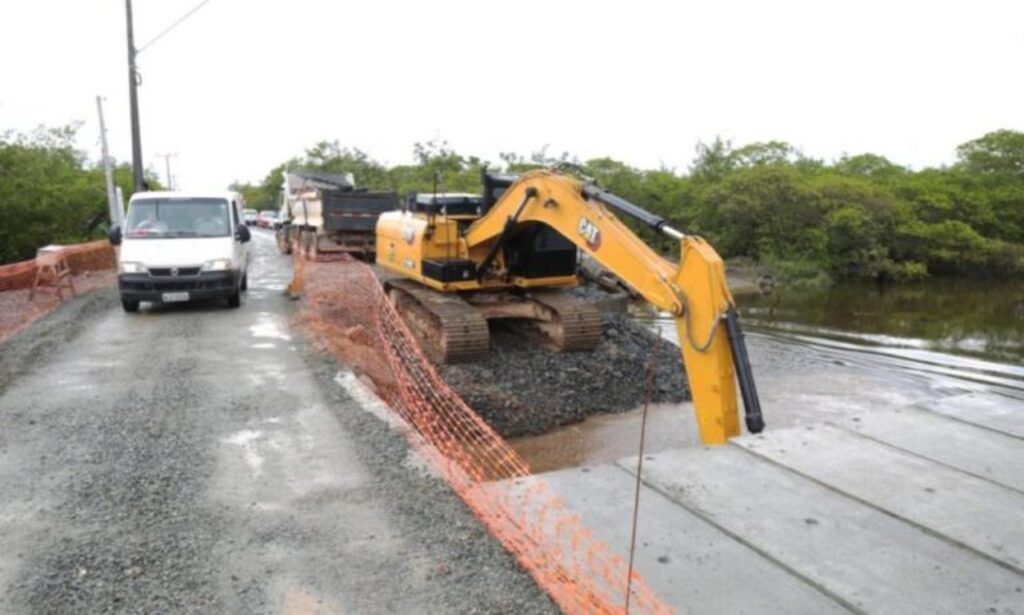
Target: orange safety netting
91, 256
346, 307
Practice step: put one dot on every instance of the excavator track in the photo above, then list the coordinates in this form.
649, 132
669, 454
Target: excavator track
449, 329
575, 324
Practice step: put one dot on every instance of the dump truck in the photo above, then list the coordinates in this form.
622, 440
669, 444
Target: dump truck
326, 213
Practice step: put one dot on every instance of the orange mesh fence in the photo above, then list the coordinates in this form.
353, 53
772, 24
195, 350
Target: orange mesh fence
346, 308
92, 256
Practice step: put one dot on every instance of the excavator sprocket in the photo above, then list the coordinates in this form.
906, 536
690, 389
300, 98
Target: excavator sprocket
449, 329
576, 324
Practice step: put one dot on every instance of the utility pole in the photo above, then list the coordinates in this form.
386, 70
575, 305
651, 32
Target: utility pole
167, 163
133, 98
115, 210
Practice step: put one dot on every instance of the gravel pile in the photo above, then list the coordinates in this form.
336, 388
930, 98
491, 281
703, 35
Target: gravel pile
521, 389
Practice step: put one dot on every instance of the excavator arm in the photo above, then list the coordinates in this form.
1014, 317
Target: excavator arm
694, 291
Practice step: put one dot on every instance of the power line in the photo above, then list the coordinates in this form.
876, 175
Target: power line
172, 26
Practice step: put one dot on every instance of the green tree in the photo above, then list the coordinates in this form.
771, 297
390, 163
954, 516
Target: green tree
50, 192
763, 211
1001, 151
714, 160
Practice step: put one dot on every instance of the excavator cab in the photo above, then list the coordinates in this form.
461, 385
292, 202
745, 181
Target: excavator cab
494, 186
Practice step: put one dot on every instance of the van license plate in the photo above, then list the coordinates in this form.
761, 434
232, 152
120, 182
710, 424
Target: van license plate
174, 297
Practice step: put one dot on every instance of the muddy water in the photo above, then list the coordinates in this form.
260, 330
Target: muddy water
820, 356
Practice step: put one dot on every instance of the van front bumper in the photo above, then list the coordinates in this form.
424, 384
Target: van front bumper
208, 285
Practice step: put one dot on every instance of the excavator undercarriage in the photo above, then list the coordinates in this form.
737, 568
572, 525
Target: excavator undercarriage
453, 328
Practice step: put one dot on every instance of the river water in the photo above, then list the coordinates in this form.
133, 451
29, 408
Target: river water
825, 355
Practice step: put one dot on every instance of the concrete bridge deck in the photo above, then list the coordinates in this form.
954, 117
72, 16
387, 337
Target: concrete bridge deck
913, 510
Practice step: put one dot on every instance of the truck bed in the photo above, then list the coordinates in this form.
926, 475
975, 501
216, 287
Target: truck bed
356, 211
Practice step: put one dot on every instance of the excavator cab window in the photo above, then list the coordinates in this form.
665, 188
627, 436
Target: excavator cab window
494, 187
447, 203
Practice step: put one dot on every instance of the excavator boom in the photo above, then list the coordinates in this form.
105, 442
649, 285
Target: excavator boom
694, 291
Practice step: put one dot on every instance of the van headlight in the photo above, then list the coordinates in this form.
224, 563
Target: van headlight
220, 264
131, 267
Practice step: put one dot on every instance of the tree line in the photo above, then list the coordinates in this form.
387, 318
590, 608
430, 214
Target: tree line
51, 193
800, 217
797, 216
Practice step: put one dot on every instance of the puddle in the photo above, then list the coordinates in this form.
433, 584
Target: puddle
606, 438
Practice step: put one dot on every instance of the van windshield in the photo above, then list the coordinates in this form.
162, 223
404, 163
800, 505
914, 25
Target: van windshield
178, 217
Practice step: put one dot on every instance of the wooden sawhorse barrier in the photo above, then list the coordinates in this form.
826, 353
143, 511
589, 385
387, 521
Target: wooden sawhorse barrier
52, 270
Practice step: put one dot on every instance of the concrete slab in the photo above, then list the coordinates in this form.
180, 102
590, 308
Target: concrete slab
998, 412
871, 560
688, 563
974, 512
975, 450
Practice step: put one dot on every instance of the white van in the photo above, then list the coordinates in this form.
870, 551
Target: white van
179, 246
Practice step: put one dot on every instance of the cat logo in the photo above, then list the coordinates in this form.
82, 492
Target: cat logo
590, 233
409, 233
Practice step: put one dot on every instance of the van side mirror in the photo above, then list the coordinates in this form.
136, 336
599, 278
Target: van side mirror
115, 236
243, 234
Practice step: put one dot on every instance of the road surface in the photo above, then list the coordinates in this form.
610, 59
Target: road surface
201, 459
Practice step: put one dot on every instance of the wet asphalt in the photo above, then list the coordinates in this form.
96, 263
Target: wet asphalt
201, 459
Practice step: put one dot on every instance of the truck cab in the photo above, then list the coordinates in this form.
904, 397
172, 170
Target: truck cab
178, 247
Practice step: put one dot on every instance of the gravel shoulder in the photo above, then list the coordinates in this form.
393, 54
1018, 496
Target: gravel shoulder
33, 347
200, 459
17, 312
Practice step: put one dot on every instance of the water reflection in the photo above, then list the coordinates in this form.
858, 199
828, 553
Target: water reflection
981, 318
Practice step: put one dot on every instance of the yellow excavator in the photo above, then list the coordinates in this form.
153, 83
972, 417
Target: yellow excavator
454, 262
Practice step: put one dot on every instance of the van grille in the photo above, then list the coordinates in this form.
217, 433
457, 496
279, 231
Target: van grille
172, 284
164, 272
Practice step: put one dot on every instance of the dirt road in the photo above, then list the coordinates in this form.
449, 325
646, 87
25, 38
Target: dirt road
203, 459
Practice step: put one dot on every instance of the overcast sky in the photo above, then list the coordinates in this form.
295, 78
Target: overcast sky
245, 84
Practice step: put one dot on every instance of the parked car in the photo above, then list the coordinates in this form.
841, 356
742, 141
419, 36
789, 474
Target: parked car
267, 218
251, 217
179, 246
